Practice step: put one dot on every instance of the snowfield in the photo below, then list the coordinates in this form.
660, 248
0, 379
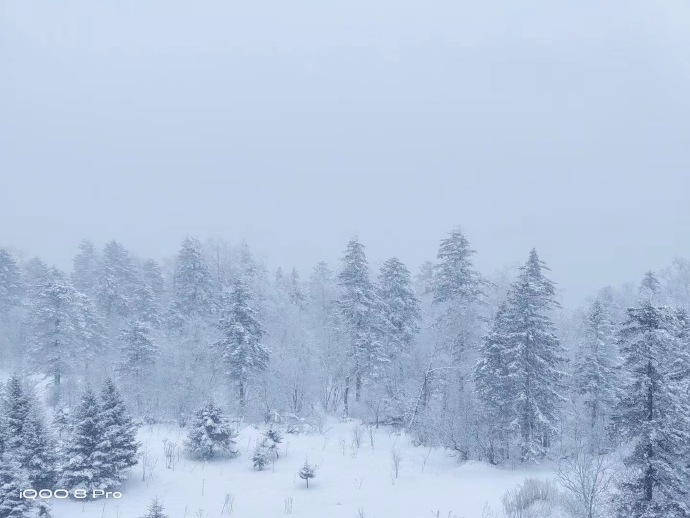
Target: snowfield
350, 482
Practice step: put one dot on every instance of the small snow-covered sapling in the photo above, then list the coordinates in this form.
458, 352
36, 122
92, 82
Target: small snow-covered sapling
307, 472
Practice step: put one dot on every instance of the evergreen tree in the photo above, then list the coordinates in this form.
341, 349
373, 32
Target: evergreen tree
358, 307
153, 278
210, 433
260, 456
63, 329
307, 472
118, 439
595, 369
295, 289
492, 378
193, 294
241, 347
13, 480
457, 289
455, 279
139, 353
155, 510
11, 283
84, 458
654, 413
86, 269
400, 308
39, 459
26, 438
117, 278
535, 357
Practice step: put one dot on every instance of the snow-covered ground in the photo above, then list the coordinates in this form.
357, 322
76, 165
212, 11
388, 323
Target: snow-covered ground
349, 480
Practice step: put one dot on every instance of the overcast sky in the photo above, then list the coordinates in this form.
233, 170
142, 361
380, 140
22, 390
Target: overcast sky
561, 125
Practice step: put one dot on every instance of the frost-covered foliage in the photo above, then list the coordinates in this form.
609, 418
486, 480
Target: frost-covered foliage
210, 433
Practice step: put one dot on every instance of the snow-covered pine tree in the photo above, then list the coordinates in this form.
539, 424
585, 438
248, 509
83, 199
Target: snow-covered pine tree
296, 290
118, 437
401, 312
193, 295
359, 311
117, 278
654, 413
457, 289
86, 267
15, 409
26, 437
595, 373
84, 458
62, 328
307, 472
210, 433
155, 510
241, 347
536, 359
11, 283
273, 438
13, 480
492, 380
455, 278
138, 355
260, 455
39, 458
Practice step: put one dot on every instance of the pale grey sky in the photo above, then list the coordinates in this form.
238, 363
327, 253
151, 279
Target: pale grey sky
556, 124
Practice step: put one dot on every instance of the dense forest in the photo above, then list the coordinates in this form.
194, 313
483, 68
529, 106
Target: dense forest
487, 365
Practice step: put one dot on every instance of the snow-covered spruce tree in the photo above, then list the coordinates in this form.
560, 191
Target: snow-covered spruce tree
307, 472
118, 437
11, 284
27, 440
595, 373
401, 311
63, 329
273, 439
359, 311
210, 433
241, 348
138, 355
13, 480
457, 290
193, 295
117, 277
535, 358
15, 412
296, 290
494, 391
39, 454
155, 510
654, 413
86, 266
260, 455
83, 453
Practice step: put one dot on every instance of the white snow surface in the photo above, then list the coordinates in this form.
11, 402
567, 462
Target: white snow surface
430, 481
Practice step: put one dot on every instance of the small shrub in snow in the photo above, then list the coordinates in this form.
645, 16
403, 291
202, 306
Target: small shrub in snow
210, 433
260, 456
155, 510
288, 505
228, 504
307, 472
535, 498
272, 438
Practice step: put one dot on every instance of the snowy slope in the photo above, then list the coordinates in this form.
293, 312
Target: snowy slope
348, 480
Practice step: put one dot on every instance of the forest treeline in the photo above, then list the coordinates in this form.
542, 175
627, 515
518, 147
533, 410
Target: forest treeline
489, 366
